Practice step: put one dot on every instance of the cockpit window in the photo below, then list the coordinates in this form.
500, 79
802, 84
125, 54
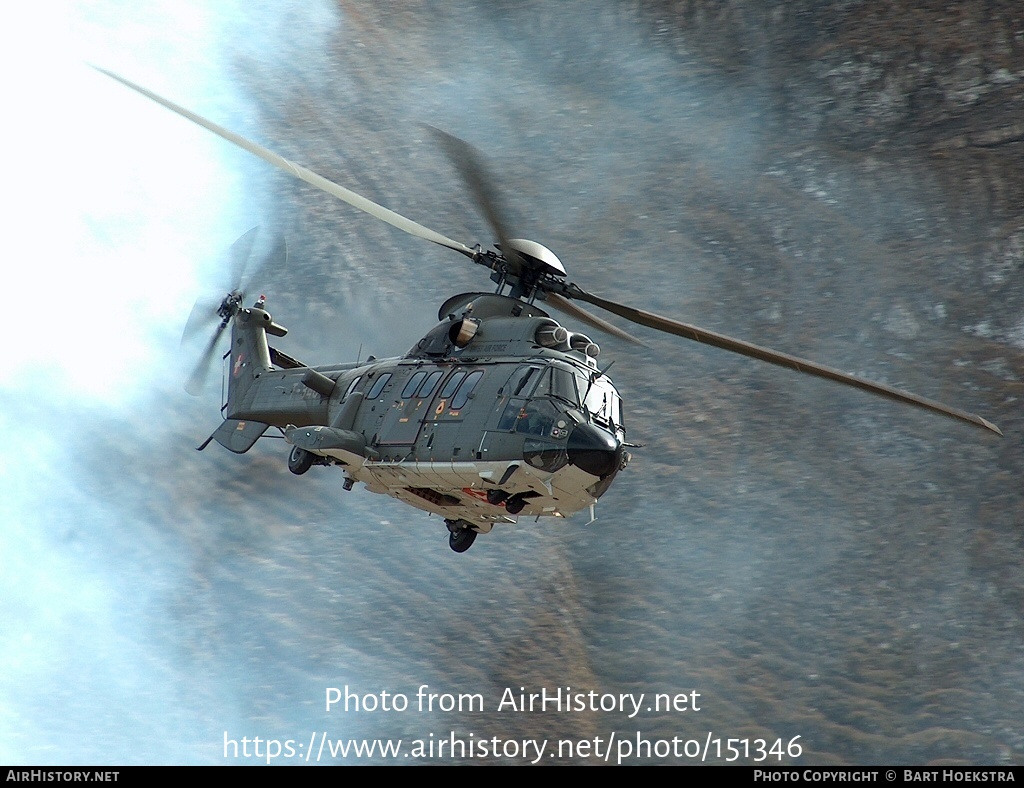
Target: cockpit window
557, 382
537, 418
521, 381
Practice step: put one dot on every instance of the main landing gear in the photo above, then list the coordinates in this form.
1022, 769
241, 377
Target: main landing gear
513, 504
300, 460
460, 535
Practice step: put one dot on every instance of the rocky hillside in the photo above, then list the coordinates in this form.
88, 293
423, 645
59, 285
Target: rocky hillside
935, 89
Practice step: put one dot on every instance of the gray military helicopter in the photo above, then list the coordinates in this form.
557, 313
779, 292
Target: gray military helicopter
497, 412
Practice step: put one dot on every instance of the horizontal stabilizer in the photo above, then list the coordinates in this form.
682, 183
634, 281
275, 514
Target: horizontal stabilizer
239, 436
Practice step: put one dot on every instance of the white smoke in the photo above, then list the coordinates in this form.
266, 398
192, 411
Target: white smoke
115, 219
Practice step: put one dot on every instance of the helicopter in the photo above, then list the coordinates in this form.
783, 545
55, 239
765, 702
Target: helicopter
498, 412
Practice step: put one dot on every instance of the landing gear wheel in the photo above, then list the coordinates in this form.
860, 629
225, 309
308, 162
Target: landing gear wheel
461, 539
496, 497
515, 504
300, 460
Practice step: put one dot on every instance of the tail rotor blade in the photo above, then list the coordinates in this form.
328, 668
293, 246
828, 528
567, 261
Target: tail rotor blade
214, 314
240, 253
201, 319
276, 258
197, 380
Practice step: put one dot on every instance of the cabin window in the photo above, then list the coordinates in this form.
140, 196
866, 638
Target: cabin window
452, 384
378, 387
413, 384
429, 384
466, 390
352, 387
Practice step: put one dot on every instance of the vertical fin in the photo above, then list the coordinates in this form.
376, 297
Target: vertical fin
249, 356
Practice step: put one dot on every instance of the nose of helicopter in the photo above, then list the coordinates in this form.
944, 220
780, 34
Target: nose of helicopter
594, 450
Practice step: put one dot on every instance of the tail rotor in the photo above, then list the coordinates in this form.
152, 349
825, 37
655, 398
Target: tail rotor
214, 314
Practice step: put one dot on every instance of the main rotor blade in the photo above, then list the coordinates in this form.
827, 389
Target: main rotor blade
567, 306
302, 173
471, 167
724, 342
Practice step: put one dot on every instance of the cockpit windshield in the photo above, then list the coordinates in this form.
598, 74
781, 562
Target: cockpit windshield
533, 387
602, 402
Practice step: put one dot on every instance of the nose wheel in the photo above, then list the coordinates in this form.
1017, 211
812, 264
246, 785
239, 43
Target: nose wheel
460, 535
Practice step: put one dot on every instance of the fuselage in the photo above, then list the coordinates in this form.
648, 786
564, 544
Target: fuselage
492, 414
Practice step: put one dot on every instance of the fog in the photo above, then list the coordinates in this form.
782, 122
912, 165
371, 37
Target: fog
115, 220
